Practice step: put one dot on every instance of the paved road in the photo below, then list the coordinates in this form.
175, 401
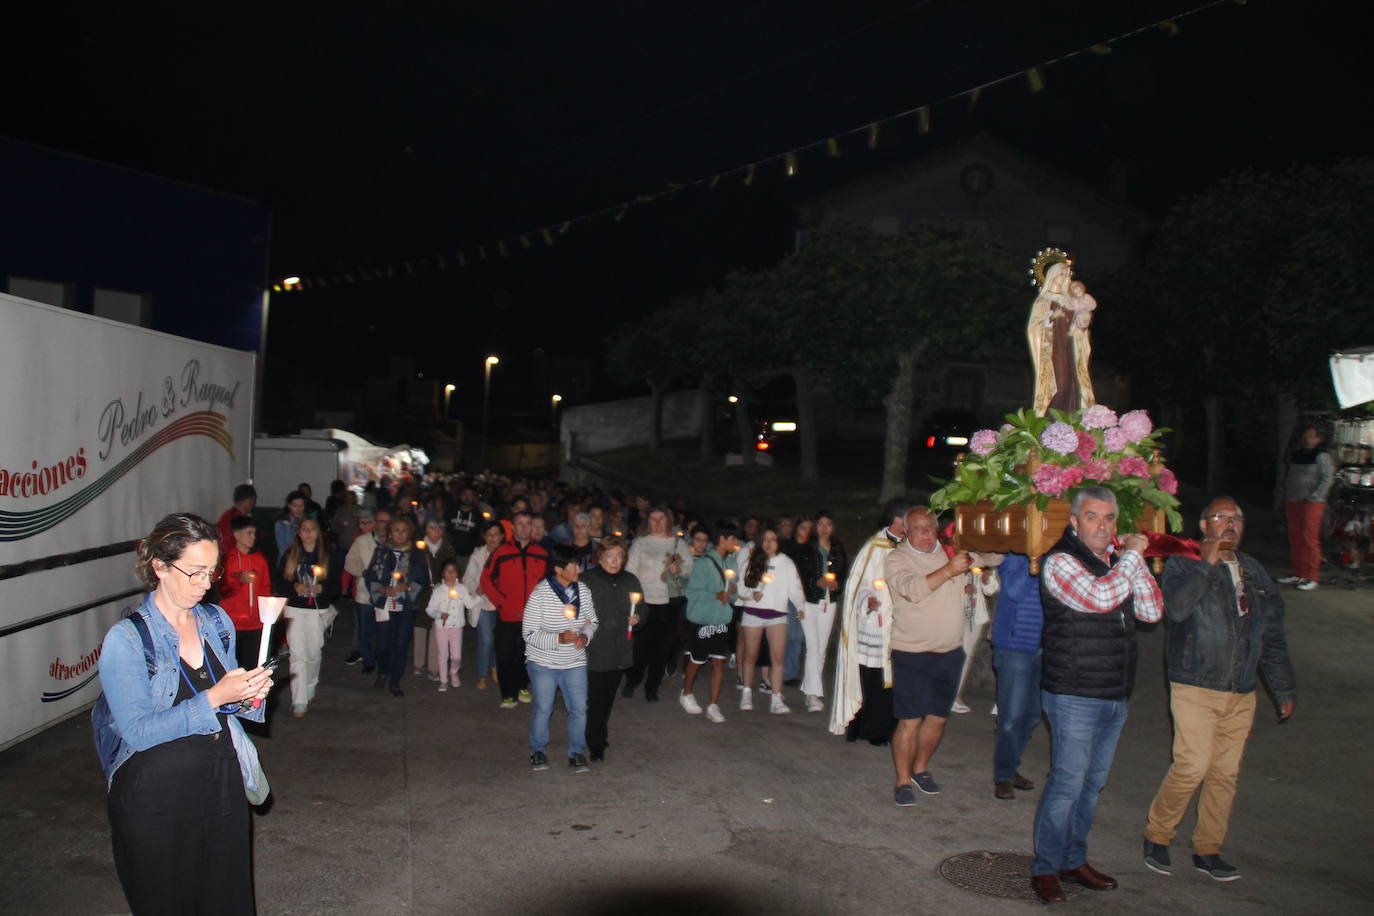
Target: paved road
425, 805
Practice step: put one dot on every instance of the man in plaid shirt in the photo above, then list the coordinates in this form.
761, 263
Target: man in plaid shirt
1092, 595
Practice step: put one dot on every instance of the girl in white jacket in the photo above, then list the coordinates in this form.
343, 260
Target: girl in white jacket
767, 584
448, 605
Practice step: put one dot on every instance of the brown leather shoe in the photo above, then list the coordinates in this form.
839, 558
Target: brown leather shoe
1020, 782
1048, 889
1003, 790
1089, 877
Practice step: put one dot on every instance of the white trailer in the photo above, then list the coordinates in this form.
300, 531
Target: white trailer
108, 427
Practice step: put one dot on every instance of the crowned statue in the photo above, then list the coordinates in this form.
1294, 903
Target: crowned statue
1058, 334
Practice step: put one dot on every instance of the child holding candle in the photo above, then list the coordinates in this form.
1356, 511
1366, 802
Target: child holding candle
448, 604
558, 624
246, 578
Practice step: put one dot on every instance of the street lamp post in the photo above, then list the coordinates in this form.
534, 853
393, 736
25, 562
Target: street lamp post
448, 394
486, 403
553, 410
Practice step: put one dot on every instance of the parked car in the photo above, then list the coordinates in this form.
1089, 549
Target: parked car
948, 429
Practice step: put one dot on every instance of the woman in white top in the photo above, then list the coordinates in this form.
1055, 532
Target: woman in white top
769, 581
483, 617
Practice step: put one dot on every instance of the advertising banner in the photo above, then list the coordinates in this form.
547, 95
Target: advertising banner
108, 428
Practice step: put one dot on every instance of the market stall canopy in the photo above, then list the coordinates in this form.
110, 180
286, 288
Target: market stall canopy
1352, 372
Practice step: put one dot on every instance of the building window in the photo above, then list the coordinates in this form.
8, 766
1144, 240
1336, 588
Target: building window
130, 308
45, 291
976, 178
1059, 233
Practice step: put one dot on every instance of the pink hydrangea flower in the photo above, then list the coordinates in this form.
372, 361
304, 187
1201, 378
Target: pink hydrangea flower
1131, 466
1098, 416
1097, 469
1167, 482
1137, 425
1087, 443
1048, 479
1059, 437
1115, 439
983, 441
1071, 477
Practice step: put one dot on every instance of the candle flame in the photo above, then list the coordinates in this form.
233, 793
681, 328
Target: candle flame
830, 577
318, 571
486, 515
766, 579
636, 597
396, 575
569, 611
453, 593
879, 584
420, 545
729, 574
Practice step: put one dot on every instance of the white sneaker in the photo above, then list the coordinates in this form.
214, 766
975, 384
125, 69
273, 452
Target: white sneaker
993, 711
814, 704
746, 699
1289, 580
960, 707
713, 713
777, 706
731, 663
1306, 585
443, 688
689, 704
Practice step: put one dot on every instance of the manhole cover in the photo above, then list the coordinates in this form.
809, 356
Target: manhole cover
997, 874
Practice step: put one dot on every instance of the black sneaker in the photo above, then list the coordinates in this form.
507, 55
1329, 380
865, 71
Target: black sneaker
1217, 867
651, 697
1157, 858
764, 686
926, 783
538, 762
578, 762
353, 657
627, 691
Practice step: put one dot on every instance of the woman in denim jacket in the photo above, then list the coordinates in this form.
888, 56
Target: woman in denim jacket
176, 759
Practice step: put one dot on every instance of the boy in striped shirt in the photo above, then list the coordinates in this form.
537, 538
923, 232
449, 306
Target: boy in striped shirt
559, 622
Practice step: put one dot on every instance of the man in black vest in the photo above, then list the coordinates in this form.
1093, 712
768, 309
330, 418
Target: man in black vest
1092, 595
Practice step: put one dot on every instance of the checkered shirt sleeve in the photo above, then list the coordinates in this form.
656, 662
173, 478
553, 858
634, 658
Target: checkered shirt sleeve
1070, 581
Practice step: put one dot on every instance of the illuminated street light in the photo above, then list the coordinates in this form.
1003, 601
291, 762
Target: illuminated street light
733, 399
486, 403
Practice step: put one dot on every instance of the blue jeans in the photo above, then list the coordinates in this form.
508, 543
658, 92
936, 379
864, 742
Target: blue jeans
796, 638
1084, 733
486, 643
365, 636
1018, 708
545, 684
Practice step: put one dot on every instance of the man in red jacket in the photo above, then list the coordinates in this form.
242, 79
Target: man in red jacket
511, 573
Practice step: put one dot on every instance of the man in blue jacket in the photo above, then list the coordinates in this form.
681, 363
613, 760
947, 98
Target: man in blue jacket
1016, 658
1225, 622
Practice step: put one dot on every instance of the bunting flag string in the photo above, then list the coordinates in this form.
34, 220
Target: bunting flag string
789, 159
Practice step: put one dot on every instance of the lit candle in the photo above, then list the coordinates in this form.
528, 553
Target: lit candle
420, 544
396, 576
252, 576
635, 598
318, 571
619, 533
680, 532
453, 593
879, 584
486, 515
829, 578
729, 574
976, 570
569, 611
767, 579
413, 504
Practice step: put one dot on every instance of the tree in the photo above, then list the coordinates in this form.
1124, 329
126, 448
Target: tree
879, 307
646, 352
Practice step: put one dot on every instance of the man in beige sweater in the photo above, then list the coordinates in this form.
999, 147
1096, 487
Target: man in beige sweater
927, 589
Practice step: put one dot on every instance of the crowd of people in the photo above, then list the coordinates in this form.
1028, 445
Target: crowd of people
587, 594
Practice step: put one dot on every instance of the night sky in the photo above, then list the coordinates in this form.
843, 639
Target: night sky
381, 134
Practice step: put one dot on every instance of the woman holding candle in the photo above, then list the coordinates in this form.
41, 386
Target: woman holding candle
768, 583
310, 587
823, 566
558, 624
618, 596
247, 577
483, 617
448, 605
394, 580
